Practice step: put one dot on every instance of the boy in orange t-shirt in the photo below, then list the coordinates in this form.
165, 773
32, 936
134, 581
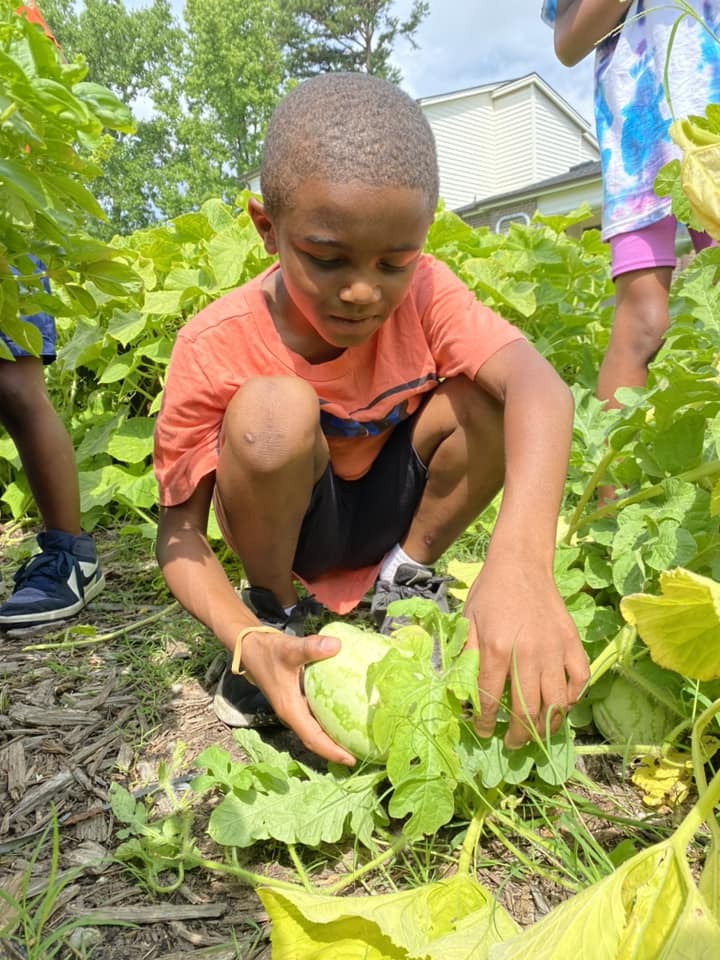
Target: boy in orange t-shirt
350, 412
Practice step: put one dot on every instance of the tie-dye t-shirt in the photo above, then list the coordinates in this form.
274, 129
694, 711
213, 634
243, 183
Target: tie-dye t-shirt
632, 114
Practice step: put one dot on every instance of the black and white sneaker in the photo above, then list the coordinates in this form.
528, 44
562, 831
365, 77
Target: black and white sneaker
237, 702
410, 580
55, 584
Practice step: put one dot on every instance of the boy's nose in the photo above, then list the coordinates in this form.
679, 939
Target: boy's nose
359, 291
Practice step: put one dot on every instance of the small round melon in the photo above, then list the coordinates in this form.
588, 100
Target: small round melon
338, 693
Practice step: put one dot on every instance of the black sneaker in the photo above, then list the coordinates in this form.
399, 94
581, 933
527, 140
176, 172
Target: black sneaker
237, 702
410, 580
55, 584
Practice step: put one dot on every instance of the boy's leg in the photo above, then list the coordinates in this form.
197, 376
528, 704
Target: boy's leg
42, 442
271, 454
65, 576
459, 436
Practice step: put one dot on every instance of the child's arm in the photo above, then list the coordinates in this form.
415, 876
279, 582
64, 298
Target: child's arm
517, 617
581, 24
198, 581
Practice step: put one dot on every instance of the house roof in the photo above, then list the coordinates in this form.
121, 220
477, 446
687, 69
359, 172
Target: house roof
507, 86
584, 172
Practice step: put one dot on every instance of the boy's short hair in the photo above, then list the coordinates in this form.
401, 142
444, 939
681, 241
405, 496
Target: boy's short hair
347, 127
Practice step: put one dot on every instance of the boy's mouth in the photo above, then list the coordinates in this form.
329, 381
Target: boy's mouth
353, 320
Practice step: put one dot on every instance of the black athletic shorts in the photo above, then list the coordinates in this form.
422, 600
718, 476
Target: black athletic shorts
353, 523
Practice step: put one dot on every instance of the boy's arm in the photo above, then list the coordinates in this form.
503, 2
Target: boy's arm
517, 617
198, 581
581, 24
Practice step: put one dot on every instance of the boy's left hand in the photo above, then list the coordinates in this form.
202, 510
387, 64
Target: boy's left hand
523, 631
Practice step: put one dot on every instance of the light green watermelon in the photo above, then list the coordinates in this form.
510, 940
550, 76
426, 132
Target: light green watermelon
338, 691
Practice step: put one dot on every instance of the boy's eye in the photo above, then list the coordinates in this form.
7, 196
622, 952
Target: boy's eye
334, 263
323, 263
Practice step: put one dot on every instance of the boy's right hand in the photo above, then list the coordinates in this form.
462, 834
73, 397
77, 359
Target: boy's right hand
275, 663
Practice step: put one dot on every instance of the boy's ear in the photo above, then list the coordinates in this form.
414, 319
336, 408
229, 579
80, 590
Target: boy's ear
263, 224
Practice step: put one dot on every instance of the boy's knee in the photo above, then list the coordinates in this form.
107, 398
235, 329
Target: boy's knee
270, 421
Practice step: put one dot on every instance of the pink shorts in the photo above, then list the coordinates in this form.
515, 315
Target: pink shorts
652, 246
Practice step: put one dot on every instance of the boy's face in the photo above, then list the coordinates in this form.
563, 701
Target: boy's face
347, 255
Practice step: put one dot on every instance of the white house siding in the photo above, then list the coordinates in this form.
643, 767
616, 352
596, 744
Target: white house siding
513, 140
563, 200
559, 143
589, 151
465, 146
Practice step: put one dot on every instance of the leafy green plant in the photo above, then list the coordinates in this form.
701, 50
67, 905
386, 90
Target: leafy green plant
52, 134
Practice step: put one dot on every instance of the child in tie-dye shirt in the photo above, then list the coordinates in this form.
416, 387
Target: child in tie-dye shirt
632, 115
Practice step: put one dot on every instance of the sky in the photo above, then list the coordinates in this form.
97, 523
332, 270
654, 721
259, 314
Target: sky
465, 43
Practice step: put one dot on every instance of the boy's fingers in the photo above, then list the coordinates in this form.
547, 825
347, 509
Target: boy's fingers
490, 687
298, 717
295, 711
317, 647
578, 674
525, 699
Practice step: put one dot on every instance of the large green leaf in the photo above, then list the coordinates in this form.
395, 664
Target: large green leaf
132, 442
682, 626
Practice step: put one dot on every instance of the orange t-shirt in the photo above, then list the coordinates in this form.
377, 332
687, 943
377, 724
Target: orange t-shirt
439, 330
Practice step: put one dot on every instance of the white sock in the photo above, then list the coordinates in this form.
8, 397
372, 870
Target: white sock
392, 561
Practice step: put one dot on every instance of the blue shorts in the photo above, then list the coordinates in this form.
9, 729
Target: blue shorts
353, 523
45, 324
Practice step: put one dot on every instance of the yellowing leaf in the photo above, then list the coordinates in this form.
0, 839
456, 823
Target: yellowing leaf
664, 781
710, 880
700, 172
465, 574
649, 909
681, 627
453, 919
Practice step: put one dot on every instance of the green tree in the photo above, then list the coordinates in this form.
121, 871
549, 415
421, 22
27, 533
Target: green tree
350, 35
136, 53
202, 90
235, 70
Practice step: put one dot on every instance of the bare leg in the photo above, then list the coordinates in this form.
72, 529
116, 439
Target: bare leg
43, 443
641, 320
272, 453
459, 436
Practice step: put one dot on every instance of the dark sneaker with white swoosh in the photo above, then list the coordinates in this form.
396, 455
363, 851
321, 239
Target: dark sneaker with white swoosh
55, 584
